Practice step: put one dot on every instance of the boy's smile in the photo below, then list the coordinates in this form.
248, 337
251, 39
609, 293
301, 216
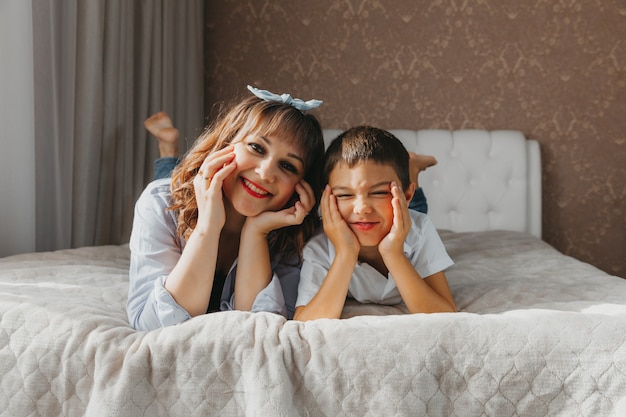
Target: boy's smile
363, 195
364, 226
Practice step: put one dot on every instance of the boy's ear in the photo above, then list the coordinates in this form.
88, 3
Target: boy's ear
409, 192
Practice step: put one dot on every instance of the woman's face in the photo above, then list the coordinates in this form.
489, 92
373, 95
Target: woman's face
268, 169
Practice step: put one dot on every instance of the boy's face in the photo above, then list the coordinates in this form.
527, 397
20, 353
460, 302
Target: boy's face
363, 195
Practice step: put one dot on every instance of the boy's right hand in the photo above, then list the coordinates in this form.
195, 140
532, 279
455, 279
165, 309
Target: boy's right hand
335, 227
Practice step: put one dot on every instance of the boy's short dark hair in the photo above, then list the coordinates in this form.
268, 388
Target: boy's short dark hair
365, 143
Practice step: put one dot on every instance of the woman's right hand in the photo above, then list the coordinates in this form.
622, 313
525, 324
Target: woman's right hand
191, 281
208, 187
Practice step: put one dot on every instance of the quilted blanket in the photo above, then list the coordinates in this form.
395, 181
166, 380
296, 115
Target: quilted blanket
538, 334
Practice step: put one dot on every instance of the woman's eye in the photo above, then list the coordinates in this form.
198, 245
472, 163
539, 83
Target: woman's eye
256, 148
289, 167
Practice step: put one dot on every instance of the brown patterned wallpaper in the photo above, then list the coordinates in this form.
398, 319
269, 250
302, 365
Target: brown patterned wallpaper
554, 69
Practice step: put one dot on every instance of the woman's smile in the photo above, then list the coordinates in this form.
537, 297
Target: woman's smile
254, 189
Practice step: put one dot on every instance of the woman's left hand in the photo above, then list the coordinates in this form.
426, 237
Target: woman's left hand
289, 216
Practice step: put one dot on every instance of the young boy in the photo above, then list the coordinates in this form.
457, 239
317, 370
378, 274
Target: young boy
373, 249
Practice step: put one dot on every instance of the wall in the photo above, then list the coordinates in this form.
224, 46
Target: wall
552, 69
17, 136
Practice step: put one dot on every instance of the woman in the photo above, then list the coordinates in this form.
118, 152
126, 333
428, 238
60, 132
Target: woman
226, 232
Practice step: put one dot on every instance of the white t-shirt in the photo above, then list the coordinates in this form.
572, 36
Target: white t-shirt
423, 247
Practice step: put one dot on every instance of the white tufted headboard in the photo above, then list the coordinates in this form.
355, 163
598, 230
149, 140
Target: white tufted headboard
484, 180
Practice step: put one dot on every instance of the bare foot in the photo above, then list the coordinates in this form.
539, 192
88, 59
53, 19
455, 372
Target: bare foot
419, 163
160, 125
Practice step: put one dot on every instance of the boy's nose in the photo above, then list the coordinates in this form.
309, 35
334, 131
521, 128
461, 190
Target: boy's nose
361, 206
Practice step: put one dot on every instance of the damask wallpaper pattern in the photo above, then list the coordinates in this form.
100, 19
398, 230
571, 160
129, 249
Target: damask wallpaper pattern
554, 69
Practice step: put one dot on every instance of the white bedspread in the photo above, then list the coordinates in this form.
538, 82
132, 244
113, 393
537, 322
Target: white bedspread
538, 334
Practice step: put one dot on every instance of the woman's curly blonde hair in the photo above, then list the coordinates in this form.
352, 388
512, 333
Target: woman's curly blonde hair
267, 118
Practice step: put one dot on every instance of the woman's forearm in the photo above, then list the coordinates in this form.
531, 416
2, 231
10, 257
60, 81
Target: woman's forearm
191, 280
254, 269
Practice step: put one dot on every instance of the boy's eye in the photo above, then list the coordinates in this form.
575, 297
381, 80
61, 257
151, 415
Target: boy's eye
381, 193
343, 195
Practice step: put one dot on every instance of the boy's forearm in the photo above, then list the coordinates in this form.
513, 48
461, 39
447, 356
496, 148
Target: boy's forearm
418, 295
331, 297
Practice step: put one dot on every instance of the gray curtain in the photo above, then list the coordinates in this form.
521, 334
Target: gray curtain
102, 67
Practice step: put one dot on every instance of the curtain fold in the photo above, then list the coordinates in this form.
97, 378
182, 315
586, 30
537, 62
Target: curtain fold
101, 68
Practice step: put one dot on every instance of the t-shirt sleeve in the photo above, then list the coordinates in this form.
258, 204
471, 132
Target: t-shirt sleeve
315, 265
429, 255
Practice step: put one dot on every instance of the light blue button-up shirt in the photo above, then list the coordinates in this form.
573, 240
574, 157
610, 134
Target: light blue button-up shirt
155, 250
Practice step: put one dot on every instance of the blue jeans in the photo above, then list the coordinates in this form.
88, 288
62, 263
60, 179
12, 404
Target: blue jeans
163, 168
419, 202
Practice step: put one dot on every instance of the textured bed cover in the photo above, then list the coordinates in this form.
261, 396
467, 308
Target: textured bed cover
538, 334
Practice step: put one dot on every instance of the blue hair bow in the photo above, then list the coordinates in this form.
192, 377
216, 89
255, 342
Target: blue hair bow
285, 98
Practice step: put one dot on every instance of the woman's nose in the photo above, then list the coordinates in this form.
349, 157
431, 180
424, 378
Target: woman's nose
266, 170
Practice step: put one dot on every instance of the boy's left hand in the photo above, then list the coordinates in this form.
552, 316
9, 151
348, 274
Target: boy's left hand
394, 241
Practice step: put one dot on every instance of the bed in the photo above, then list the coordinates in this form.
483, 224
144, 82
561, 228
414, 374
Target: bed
538, 333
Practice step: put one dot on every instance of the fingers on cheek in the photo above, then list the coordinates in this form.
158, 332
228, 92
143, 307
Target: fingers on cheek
225, 171
305, 189
230, 166
303, 193
306, 201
